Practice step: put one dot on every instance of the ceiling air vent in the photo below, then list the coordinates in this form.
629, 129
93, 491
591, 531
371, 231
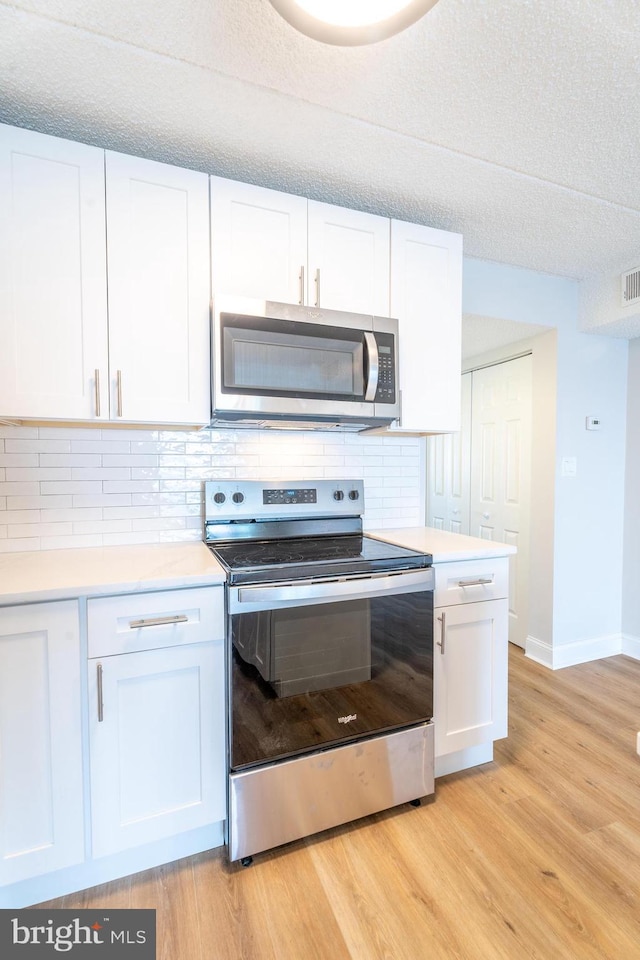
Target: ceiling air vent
630, 287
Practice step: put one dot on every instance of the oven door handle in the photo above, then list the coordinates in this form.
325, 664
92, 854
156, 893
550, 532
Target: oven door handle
350, 588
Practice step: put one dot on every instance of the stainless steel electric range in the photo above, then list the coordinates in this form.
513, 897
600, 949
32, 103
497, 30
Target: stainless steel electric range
330, 660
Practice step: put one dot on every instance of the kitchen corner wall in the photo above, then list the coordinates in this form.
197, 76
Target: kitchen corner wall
69, 487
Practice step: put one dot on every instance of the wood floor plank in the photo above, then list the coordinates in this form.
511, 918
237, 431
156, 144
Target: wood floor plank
535, 856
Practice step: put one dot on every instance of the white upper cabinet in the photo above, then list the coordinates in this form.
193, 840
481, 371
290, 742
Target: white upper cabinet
258, 242
348, 260
53, 293
426, 297
274, 246
159, 291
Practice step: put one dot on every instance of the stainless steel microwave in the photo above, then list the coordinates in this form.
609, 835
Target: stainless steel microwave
279, 364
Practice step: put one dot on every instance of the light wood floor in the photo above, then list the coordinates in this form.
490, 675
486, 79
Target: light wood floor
536, 855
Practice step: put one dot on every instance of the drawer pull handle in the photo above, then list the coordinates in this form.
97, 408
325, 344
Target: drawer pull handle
475, 583
100, 703
443, 624
158, 621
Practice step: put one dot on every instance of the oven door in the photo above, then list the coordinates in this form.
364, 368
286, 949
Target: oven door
314, 664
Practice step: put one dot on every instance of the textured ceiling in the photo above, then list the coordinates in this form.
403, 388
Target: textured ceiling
511, 121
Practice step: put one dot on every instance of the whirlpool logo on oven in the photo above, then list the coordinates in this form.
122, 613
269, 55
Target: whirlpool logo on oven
352, 716
82, 933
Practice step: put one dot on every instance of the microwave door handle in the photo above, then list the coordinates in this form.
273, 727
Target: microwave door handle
373, 366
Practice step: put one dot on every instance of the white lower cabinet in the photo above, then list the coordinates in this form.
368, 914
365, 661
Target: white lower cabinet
41, 802
156, 716
470, 655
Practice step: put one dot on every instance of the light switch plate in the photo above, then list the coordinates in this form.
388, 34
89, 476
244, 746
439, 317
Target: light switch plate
568, 467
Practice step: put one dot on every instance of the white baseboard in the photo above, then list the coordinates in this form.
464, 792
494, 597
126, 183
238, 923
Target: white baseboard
581, 651
631, 646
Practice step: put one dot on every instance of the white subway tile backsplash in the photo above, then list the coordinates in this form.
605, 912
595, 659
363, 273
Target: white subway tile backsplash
36, 445
70, 460
38, 473
71, 487
22, 516
18, 530
100, 473
19, 460
81, 500
19, 546
35, 503
100, 446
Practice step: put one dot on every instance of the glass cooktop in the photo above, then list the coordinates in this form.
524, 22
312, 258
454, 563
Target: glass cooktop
294, 559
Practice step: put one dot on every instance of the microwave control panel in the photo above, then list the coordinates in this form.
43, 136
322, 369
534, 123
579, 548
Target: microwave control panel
386, 390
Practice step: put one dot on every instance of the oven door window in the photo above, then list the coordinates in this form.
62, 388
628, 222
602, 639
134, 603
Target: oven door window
310, 676
281, 358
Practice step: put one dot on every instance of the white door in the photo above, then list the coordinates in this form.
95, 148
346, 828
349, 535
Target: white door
258, 242
157, 744
53, 287
41, 804
159, 291
348, 259
426, 293
469, 675
501, 473
448, 472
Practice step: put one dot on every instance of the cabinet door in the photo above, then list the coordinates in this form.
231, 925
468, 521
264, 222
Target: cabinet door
53, 295
470, 674
157, 744
258, 242
159, 291
41, 806
348, 260
426, 297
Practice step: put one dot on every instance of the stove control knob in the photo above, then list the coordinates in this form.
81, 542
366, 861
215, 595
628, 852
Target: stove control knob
354, 494
219, 498
338, 495
238, 498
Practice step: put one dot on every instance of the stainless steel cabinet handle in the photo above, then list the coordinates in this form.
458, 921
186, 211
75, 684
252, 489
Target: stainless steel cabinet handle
119, 391
301, 278
97, 387
318, 287
475, 583
443, 626
100, 703
158, 621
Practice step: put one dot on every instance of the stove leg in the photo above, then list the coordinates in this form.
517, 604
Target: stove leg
247, 861
416, 803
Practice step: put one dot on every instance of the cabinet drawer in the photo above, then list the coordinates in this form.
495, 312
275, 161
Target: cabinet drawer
470, 581
147, 621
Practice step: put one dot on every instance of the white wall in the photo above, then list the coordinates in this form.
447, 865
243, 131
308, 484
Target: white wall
631, 577
68, 487
584, 543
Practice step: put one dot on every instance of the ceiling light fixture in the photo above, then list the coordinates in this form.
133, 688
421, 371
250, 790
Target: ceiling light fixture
351, 23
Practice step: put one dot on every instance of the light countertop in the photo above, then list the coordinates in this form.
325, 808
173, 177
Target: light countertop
96, 571
445, 547
65, 574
